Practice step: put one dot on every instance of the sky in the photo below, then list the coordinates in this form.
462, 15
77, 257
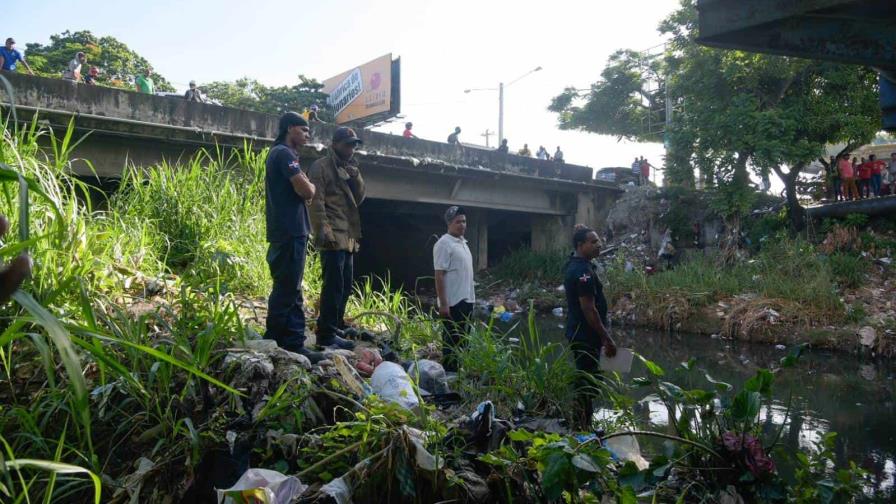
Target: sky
445, 48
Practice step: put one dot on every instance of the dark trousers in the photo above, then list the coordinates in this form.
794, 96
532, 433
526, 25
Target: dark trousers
586, 354
337, 287
286, 319
864, 188
455, 333
875, 184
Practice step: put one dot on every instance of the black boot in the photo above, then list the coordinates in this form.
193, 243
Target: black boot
335, 342
312, 356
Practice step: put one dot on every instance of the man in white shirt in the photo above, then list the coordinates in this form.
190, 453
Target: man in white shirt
73, 70
453, 264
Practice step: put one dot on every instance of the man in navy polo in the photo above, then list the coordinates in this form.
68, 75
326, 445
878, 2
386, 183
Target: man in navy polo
287, 189
586, 320
9, 56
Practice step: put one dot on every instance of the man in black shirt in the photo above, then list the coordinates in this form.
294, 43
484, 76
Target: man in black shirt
287, 188
586, 321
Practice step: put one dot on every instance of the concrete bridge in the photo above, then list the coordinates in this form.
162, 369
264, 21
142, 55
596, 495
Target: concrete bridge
512, 201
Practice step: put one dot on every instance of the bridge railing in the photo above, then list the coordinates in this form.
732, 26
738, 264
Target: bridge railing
127, 111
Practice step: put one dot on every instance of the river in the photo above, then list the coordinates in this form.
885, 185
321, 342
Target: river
826, 391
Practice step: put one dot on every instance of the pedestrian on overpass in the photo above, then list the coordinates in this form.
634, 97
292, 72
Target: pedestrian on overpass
336, 222
9, 56
287, 188
453, 265
454, 138
847, 176
144, 83
587, 324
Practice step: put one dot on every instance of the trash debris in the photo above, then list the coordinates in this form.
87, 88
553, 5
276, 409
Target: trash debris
368, 360
867, 336
626, 448
780, 347
558, 311
430, 376
262, 485
339, 490
392, 383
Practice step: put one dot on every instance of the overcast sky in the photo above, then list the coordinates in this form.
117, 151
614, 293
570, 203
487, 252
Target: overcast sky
445, 47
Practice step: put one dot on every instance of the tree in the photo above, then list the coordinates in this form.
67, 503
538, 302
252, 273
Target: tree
734, 111
118, 64
250, 94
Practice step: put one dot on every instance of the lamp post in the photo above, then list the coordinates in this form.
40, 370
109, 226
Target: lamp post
500, 90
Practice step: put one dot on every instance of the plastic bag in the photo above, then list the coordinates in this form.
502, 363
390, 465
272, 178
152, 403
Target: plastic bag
392, 383
430, 376
262, 485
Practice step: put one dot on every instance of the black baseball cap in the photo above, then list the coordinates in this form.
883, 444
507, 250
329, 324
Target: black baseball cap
345, 134
452, 212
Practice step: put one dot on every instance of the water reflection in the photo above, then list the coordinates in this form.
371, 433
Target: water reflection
825, 392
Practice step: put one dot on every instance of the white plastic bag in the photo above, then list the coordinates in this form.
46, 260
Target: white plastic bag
393, 384
275, 487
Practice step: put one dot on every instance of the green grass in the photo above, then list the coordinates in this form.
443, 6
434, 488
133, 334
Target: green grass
788, 270
526, 265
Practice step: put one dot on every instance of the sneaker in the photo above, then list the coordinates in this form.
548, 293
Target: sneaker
349, 332
312, 356
336, 342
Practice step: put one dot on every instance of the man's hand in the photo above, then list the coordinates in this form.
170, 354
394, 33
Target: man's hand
609, 347
444, 312
327, 234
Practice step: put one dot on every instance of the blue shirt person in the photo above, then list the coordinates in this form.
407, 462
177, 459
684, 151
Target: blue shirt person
9, 56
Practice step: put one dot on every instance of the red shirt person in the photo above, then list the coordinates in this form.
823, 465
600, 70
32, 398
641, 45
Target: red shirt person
407, 130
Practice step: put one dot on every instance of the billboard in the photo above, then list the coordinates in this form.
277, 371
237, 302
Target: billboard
367, 93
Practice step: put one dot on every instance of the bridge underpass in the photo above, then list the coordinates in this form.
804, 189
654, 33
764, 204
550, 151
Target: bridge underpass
512, 201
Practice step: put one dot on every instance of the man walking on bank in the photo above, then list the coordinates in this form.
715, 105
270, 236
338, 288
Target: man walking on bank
287, 188
586, 320
453, 264
337, 231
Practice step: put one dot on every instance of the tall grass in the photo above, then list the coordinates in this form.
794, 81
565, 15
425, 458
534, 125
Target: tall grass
789, 270
525, 264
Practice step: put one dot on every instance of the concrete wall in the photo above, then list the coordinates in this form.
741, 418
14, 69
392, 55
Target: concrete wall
134, 114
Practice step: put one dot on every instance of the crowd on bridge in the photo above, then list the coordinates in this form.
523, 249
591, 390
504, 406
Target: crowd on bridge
859, 178
74, 72
322, 204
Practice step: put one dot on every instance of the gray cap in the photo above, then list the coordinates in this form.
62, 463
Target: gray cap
452, 212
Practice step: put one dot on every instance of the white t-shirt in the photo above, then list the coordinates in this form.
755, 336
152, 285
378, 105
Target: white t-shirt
73, 70
452, 255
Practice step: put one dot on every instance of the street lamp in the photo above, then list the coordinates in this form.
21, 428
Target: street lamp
500, 90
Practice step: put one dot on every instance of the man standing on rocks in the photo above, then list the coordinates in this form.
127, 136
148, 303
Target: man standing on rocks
586, 319
453, 264
287, 188
337, 231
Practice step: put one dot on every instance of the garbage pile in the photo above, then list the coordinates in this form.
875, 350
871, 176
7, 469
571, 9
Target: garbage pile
374, 428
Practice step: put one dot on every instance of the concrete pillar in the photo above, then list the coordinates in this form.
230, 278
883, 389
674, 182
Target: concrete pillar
482, 250
550, 232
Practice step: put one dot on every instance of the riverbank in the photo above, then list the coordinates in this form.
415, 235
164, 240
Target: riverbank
131, 371
833, 289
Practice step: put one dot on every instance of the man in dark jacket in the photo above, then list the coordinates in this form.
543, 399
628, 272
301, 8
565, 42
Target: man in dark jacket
336, 225
287, 188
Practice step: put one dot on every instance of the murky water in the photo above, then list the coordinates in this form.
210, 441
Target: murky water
826, 391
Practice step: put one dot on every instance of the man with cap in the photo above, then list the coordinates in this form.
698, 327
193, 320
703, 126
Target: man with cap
287, 188
9, 56
194, 94
336, 222
453, 264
